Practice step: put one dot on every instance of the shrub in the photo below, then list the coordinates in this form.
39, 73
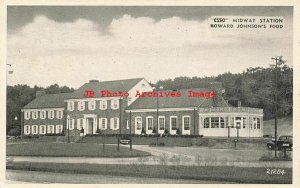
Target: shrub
27, 136
35, 136
32, 136
54, 134
270, 157
154, 130
163, 159
178, 132
166, 132
175, 160
158, 144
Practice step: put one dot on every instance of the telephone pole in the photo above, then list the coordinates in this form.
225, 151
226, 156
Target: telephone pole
278, 62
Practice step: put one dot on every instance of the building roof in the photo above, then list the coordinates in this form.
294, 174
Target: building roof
57, 100
114, 86
178, 102
48, 101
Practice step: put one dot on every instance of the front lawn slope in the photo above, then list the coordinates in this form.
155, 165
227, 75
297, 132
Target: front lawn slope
70, 150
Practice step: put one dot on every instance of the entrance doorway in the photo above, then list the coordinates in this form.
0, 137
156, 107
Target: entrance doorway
89, 125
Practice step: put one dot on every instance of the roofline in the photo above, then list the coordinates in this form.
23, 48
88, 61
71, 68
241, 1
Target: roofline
117, 80
44, 108
161, 109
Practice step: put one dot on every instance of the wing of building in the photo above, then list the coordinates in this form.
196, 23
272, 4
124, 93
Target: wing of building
88, 111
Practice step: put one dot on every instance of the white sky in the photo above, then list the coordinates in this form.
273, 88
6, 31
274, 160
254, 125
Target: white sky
44, 51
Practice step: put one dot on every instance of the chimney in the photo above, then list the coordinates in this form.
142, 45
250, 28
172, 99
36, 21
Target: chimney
40, 93
94, 81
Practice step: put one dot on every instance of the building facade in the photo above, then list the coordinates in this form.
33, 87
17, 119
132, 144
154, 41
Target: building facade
79, 114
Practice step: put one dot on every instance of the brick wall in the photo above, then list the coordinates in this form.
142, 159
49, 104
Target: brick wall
194, 128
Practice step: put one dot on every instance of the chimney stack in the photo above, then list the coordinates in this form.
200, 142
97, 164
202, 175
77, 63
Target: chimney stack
94, 81
239, 103
40, 93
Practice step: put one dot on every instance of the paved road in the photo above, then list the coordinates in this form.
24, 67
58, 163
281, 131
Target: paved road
19, 176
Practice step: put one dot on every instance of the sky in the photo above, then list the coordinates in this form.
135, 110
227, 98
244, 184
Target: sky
70, 45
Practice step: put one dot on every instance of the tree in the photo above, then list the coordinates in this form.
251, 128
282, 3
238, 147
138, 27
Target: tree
154, 130
166, 132
15, 132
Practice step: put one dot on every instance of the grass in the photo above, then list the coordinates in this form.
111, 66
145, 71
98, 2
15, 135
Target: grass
218, 173
70, 150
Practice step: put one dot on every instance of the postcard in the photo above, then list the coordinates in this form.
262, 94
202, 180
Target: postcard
149, 93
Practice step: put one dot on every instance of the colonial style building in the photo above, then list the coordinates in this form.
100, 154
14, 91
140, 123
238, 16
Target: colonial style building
88, 111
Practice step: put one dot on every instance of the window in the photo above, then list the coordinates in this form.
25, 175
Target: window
115, 104
161, 123
149, 123
129, 99
80, 123
254, 123
92, 105
51, 114
50, 129
59, 114
222, 122
102, 123
173, 123
214, 122
244, 122
258, 123
42, 129
34, 114
103, 104
59, 129
206, 122
70, 105
232, 121
70, 124
114, 123
27, 115
81, 105
34, 129
27, 129
186, 122
138, 123
43, 114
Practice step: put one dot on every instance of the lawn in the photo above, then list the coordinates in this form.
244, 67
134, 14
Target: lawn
217, 173
70, 150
